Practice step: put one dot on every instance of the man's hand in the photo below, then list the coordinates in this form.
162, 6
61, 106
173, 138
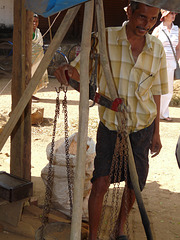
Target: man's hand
64, 71
155, 145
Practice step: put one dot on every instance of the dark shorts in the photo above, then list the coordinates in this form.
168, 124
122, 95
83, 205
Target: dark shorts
140, 143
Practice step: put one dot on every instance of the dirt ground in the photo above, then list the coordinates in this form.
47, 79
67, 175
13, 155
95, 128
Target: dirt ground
162, 193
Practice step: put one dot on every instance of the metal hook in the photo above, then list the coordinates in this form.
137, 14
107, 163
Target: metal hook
92, 105
58, 90
65, 89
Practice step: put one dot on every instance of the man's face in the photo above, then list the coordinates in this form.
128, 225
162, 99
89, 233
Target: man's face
142, 19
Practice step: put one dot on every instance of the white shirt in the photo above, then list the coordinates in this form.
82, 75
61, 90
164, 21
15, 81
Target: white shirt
174, 37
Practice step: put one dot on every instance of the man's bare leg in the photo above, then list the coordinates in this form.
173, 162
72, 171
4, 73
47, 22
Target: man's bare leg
99, 188
127, 202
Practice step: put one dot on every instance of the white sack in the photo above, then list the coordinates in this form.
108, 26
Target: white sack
60, 195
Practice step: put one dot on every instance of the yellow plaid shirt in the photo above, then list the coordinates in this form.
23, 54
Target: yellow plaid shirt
136, 82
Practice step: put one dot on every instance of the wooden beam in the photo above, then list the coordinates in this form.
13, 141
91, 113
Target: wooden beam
83, 122
27, 110
20, 164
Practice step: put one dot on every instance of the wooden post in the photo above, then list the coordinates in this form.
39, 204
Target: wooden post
20, 164
83, 122
114, 95
27, 110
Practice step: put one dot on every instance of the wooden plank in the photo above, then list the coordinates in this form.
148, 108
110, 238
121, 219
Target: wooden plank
11, 212
20, 164
16, 113
83, 122
18, 86
27, 111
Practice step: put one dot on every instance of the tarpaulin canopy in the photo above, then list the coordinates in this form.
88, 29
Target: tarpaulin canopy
47, 8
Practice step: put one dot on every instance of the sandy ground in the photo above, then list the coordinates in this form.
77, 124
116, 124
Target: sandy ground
162, 193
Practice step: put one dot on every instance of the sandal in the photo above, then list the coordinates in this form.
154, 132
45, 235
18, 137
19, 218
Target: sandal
122, 237
168, 119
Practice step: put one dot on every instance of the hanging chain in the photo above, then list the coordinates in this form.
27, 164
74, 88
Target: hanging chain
94, 56
69, 165
125, 153
120, 158
50, 176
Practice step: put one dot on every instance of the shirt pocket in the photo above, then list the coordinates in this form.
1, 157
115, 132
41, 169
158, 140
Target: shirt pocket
143, 92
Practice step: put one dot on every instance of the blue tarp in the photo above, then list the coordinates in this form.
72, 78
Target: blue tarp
47, 8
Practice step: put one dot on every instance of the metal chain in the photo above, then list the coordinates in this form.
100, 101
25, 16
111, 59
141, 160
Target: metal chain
120, 157
69, 165
126, 193
95, 60
125, 149
50, 176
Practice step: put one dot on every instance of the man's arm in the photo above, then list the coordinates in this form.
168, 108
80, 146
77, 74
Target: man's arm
156, 142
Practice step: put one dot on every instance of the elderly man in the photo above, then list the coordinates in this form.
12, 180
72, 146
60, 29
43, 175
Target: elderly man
138, 66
